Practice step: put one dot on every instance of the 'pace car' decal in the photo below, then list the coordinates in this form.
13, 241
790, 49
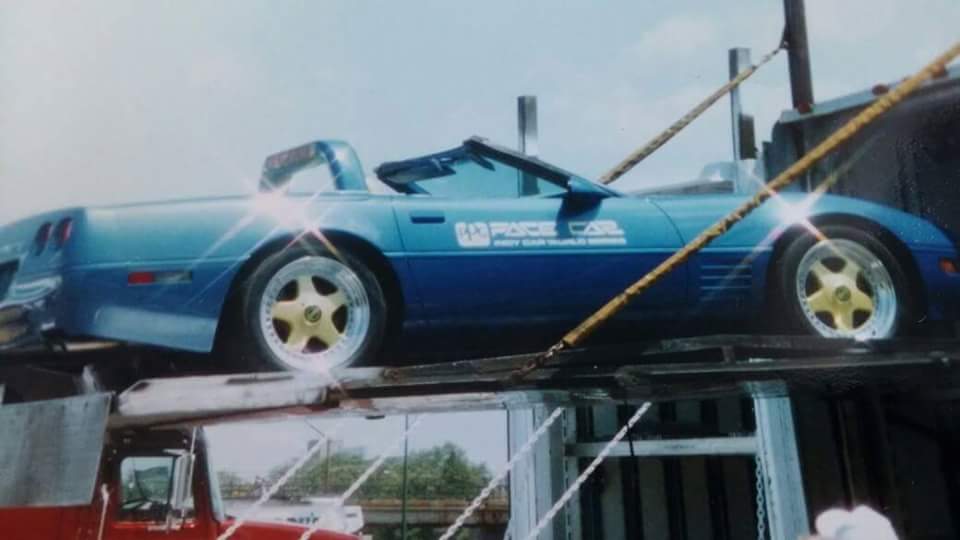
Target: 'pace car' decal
482, 234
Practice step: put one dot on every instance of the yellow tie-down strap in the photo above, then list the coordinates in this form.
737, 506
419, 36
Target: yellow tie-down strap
843, 134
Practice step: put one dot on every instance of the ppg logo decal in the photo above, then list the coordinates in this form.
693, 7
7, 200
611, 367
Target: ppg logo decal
539, 234
475, 234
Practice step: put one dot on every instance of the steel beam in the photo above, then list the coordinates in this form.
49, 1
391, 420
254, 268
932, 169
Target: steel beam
709, 446
183, 400
582, 377
783, 482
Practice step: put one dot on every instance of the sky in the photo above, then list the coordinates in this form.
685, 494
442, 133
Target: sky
118, 101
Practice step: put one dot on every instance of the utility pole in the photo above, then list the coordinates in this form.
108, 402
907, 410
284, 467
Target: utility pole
801, 80
798, 54
403, 485
739, 59
326, 469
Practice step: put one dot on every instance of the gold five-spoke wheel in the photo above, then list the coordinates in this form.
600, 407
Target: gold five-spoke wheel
839, 295
310, 318
314, 313
844, 290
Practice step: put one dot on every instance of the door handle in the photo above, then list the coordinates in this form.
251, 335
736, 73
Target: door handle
427, 216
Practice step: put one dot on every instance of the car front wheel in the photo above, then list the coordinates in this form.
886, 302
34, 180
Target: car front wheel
842, 283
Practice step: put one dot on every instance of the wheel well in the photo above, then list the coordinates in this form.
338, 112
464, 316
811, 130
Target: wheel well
358, 247
887, 238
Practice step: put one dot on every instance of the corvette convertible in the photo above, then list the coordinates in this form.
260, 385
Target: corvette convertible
317, 268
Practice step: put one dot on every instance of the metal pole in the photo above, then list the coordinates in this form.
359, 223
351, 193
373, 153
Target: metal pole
527, 125
739, 60
786, 506
326, 469
403, 487
798, 54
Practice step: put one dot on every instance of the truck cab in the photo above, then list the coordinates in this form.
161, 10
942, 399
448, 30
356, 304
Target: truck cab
151, 484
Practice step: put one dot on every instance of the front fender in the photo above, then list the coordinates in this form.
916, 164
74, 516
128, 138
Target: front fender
924, 244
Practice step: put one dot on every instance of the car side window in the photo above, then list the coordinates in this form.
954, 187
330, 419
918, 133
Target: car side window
145, 484
485, 179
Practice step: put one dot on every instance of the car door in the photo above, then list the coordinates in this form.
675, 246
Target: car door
547, 258
616, 241
478, 260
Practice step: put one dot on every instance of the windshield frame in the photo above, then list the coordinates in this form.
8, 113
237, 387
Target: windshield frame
403, 176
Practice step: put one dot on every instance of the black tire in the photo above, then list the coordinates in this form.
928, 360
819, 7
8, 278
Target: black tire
789, 313
246, 341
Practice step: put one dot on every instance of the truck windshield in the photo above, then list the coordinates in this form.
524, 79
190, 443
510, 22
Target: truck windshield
145, 485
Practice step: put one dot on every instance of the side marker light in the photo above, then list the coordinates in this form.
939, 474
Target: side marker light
165, 277
140, 278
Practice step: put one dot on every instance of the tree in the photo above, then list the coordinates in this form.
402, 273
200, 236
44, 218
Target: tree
231, 483
441, 472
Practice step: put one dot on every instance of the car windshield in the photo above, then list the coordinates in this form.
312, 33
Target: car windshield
466, 174
476, 177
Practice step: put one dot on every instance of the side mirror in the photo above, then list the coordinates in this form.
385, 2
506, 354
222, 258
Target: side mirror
181, 489
582, 190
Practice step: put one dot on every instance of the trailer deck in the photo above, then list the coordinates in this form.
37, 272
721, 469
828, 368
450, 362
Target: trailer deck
155, 389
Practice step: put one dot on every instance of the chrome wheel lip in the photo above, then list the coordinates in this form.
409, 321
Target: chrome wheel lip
882, 322
358, 314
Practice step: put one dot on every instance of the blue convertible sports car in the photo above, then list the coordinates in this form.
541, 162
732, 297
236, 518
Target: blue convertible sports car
316, 269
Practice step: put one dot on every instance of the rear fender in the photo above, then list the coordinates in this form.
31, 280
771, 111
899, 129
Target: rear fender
210, 241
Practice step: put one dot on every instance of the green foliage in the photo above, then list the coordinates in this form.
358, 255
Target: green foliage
417, 533
441, 472
229, 479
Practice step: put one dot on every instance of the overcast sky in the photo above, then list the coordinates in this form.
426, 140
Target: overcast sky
115, 101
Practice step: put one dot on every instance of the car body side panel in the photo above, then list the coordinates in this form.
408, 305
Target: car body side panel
535, 260
752, 240
206, 242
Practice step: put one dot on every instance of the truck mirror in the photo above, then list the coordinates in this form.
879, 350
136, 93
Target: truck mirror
181, 489
748, 138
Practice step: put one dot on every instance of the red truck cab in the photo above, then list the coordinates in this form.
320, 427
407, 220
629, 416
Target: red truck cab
152, 484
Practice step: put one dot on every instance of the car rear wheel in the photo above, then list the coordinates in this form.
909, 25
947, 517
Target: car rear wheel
843, 283
312, 311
